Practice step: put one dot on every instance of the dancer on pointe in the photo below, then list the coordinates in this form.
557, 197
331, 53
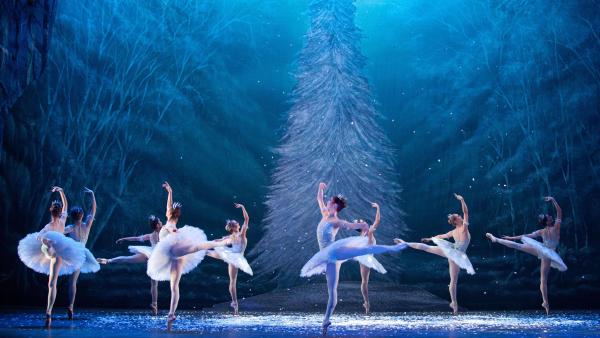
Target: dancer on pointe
454, 252
546, 252
80, 231
332, 253
234, 255
368, 262
178, 252
141, 254
50, 252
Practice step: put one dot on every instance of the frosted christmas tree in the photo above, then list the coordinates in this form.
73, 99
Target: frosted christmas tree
332, 136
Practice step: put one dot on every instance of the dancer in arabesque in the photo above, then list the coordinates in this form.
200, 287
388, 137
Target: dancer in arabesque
545, 251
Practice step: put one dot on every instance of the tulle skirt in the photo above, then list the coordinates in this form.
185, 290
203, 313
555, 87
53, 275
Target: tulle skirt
371, 262
37, 256
342, 250
458, 257
140, 249
162, 256
545, 252
90, 265
236, 259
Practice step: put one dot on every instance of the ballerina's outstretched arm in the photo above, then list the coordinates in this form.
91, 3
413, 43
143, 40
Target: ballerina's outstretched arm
63, 198
169, 199
559, 213
246, 219
91, 216
465, 209
375, 224
63, 215
141, 238
320, 201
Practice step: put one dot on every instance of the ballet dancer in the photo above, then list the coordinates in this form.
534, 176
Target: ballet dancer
368, 262
234, 255
332, 253
141, 254
50, 252
454, 252
80, 231
178, 252
546, 252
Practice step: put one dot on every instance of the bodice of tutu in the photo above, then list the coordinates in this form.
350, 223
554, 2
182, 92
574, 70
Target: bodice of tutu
79, 233
166, 230
325, 233
237, 244
464, 244
154, 238
549, 240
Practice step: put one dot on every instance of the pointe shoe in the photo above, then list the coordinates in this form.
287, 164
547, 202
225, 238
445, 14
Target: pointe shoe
367, 307
546, 307
154, 308
48, 321
454, 308
70, 314
235, 307
324, 328
170, 321
490, 237
102, 261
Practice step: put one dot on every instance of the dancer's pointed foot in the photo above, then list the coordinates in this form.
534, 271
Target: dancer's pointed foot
102, 260
325, 327
48, 321
154, 308
491, 237
170, 321
398, 241
546, 307
235, 307
454, 308
70, 313
367, 307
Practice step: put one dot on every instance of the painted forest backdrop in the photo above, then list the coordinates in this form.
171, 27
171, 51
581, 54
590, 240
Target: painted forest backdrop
497, 100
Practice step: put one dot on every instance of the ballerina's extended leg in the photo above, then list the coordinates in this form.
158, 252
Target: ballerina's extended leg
344, 253
133, 259
423, 247
512, 244
55, 265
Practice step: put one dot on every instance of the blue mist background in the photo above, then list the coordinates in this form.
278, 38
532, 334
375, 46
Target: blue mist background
495, 100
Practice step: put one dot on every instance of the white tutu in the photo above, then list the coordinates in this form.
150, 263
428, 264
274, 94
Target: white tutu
371, 262
543, 251
159, 263
140, 249
342, 250
457, 256
90, 265
37, 256
236, 259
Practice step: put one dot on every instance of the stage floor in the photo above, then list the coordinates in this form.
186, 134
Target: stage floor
133, 324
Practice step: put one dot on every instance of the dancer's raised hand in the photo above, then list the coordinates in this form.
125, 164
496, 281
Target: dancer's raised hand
167, 187
458, 197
